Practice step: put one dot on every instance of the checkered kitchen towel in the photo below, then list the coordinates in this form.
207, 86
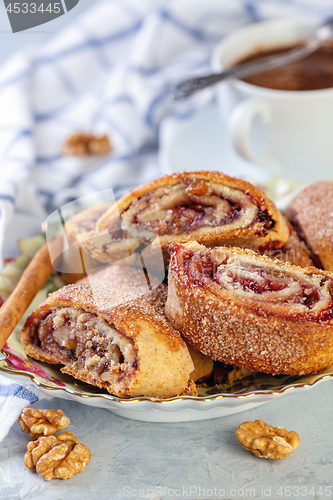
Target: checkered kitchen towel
109, 72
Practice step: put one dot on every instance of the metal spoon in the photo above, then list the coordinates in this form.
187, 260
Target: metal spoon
323, 33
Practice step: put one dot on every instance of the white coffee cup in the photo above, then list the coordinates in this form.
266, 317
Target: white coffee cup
288, 132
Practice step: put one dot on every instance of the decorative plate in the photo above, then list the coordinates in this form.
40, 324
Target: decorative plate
212, 402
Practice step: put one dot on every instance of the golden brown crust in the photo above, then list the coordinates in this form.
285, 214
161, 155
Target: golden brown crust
38, 354
252, 232
163, 362
130, 280
311, 212
261, 334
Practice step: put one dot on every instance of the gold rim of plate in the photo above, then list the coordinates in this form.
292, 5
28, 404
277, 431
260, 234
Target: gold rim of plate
258, 384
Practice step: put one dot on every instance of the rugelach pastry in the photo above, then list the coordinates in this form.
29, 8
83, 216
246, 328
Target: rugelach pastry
251, 311
208, 207
81, 226
311, 212
110, 340
148, 289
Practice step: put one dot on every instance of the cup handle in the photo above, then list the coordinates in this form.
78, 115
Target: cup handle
240, 124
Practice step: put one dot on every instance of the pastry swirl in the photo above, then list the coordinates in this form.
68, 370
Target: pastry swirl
109, 340
208, 207
251, 311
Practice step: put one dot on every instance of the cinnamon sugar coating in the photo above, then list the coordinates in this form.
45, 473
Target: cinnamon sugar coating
251, 311
133, 281
109, 339
311, 211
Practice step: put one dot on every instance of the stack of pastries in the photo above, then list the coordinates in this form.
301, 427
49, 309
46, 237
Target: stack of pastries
240, 292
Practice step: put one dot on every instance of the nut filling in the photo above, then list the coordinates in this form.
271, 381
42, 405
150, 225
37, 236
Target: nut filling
87, 340
295, 294
191, 205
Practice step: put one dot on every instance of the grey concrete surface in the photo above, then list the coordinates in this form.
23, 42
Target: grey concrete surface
194, 460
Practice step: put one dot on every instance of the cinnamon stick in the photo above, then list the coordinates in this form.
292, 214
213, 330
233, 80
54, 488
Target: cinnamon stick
32, 280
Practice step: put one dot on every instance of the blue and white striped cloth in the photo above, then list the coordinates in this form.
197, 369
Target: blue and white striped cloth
13, 398
109, 72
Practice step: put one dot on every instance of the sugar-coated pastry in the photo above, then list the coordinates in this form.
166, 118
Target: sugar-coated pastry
311, 211
251, 311
208, 207
110, 340
134, 281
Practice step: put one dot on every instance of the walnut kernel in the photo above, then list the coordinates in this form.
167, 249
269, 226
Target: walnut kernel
57, 457
86, 144
264, 440
42, 422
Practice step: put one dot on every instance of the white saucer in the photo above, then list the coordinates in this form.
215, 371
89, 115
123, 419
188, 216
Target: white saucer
201, 142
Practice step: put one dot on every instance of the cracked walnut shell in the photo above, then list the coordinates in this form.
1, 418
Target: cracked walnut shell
58, 457
42, 422
266, 441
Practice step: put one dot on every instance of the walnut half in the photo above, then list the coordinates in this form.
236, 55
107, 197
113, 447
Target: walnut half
42, 422
266, 441
81, 144
58, 457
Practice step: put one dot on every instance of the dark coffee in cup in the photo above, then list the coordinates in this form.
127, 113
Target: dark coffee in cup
314, 72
